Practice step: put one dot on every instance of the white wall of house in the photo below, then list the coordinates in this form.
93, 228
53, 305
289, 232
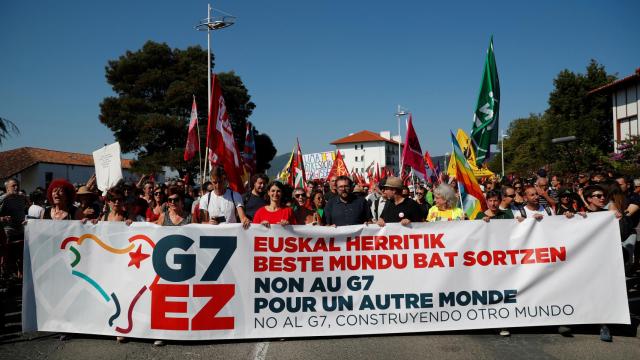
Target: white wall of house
625, 113
41, 173
358, 156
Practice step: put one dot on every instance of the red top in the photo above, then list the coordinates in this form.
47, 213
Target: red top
285, 213
153, 217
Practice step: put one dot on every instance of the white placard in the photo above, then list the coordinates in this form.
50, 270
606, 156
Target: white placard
108, 166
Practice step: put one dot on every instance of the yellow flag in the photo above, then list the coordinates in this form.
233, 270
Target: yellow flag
467, 150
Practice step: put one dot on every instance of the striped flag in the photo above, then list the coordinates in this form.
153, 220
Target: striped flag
473, 201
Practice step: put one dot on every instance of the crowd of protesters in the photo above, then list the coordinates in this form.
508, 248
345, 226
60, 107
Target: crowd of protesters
337, 202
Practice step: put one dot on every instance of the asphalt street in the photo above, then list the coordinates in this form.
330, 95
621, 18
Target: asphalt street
526, 343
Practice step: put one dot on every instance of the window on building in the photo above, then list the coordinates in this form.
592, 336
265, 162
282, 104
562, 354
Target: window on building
356, 147
628, 127
362, 158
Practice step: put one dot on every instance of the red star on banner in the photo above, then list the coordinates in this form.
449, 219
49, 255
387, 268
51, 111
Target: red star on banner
137, 257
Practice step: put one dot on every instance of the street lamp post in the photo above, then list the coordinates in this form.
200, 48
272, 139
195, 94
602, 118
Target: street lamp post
502, 153
210, 24
446, 156
400, 113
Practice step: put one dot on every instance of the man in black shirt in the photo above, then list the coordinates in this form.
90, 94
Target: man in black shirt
421, 200
399, 209
255, 199
345, 208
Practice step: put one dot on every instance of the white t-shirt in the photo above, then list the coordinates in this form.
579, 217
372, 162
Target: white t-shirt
222, 205
540, 211
35, 212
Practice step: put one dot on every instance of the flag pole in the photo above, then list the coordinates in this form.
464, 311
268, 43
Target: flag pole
208, 90
199, 148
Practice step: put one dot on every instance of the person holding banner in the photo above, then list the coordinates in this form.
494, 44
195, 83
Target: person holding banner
346, 208
400, 208
174, 214
116, 208
275, 212
494, 199
446, 208
61, 195
222, 205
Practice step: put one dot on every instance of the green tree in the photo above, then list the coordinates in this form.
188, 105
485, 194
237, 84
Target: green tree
149, 114
572, 111
7, 128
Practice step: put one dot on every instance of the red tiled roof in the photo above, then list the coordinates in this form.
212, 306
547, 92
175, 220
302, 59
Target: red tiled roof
617, 83
16, 160
362, 136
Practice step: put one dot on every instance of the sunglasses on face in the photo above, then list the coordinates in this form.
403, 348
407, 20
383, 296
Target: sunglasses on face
419, 193
299, 195
599, 196
157, 193
174, 200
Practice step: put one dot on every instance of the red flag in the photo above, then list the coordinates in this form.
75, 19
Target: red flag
222, 146
377, 176
339, 168
193, 142
427, 158
412, 154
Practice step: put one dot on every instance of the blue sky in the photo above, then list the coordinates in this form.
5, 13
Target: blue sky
317, 70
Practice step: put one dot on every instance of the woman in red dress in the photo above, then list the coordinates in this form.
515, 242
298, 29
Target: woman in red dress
275, 212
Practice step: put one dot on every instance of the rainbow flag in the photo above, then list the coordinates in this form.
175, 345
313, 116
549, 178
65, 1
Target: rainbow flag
473, 201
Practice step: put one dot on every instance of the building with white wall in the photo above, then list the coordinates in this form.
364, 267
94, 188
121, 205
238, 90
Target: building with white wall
625, 101
366, 148
34, 167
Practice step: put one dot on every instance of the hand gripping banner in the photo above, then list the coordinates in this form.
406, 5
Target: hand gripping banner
223, 282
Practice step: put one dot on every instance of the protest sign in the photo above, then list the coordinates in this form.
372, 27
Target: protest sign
108, 166
318, 165
223, 282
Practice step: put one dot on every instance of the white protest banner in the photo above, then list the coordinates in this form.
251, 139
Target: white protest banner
222, 282
318, 165
108, 166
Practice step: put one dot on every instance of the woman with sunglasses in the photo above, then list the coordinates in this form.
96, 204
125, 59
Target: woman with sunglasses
518, 200
116, 208
174, 214
275, 212
157, 204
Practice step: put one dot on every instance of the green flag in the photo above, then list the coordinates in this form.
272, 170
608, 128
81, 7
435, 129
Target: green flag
485, 118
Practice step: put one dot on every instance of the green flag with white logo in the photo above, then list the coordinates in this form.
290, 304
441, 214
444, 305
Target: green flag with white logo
485, 118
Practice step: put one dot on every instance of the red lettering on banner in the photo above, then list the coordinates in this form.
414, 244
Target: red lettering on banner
160, 307
515, 257
288, 264
542, 255
528, 253
294, 244
220, 295
395, 242
435, 241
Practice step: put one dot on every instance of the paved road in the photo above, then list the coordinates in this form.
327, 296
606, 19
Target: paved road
530, 343
525, 343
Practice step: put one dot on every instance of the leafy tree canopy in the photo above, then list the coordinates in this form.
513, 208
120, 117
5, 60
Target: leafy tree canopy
571, 112
149, 114
7, 128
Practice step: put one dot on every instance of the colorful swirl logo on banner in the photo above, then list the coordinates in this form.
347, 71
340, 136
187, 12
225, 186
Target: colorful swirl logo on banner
136, 257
